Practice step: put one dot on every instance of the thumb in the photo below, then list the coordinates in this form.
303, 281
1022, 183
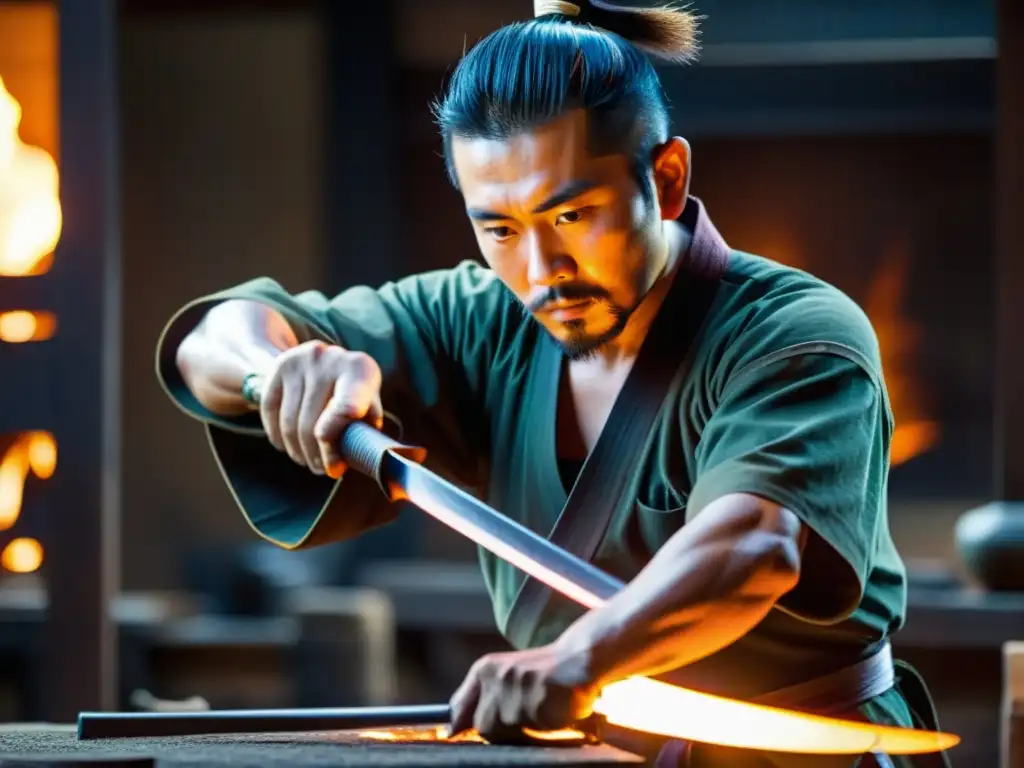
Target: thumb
463, 705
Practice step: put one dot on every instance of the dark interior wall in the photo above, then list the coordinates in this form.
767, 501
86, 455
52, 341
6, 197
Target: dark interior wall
222, 152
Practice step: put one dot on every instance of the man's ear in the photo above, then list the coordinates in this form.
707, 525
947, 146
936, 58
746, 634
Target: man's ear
672, 176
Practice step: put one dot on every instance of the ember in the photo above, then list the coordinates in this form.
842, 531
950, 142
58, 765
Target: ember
34, 452
431, 733
439, 733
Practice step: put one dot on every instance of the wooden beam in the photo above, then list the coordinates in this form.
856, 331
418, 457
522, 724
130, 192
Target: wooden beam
1012, 721
83, 564
1009, 158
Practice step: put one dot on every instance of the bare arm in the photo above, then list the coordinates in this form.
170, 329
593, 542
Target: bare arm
710, 584
234, 339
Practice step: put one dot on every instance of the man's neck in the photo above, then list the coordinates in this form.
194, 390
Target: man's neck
626, 346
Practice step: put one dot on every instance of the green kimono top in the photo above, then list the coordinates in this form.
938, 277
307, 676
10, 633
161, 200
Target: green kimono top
778, 391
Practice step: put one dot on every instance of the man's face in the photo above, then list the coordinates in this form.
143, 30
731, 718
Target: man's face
570, 234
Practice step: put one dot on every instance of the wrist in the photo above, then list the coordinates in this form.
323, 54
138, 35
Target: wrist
589, 647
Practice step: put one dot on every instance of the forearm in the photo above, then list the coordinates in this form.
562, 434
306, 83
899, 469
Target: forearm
708, 586
234, 339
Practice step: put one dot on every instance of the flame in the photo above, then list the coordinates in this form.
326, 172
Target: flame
22, 556
898, 338
34, 452
30, 212
20, 326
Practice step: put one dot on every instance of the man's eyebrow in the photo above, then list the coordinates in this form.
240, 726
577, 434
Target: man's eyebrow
570, 191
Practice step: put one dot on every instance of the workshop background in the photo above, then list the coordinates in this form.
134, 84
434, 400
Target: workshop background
199, 144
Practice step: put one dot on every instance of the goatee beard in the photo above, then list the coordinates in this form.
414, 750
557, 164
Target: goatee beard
579, 346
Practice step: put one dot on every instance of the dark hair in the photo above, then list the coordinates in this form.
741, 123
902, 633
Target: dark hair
528, 73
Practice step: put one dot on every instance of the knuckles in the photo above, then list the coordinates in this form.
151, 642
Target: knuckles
320, 360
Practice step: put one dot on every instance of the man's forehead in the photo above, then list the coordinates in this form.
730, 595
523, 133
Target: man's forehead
532, 153
527, 169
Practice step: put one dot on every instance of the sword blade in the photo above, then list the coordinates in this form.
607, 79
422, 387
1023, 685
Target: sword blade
513, 542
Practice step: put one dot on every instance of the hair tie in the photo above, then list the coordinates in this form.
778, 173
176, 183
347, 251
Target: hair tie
560, 7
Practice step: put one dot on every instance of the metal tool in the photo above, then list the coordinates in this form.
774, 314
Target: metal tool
103, 725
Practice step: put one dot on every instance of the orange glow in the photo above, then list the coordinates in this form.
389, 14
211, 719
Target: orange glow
898, 338
30, 212
34, 452
655, 707
429, 733
20, 326
440, 733
22, 556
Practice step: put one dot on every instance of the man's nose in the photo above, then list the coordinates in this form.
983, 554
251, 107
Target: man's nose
547, 264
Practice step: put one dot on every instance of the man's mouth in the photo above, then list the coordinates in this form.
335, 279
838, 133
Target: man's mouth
568, 310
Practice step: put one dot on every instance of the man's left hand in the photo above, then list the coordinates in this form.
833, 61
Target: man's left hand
545, 689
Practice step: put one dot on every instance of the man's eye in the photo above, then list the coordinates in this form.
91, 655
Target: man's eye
499, 233
573, 217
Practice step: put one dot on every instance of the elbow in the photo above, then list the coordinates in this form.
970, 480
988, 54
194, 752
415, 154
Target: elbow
781, 565
781, 537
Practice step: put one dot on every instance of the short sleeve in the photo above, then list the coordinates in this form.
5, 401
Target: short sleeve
807, 427
428, 333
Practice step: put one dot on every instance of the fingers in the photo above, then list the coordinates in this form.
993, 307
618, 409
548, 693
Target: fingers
480, 704
313, 393
288, 417
316, 395
356, 397
505, 693
270, 409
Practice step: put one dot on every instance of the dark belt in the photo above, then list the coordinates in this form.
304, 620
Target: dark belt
835, 693
841, 691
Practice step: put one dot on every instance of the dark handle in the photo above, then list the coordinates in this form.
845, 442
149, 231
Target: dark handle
362, 447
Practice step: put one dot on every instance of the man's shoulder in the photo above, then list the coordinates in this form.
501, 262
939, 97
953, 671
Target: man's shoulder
466, 286
467, 303
771, 310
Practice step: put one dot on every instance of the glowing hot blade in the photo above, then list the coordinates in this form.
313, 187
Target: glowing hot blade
651, 706
639, 703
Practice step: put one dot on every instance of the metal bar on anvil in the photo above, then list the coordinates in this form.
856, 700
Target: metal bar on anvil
103, 725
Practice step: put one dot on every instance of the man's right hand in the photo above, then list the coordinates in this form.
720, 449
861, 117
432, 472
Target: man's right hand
310, 394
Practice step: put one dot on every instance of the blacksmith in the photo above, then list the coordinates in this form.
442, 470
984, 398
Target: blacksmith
729, 413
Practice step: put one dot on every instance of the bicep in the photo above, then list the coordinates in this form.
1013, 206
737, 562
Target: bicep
809, 433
